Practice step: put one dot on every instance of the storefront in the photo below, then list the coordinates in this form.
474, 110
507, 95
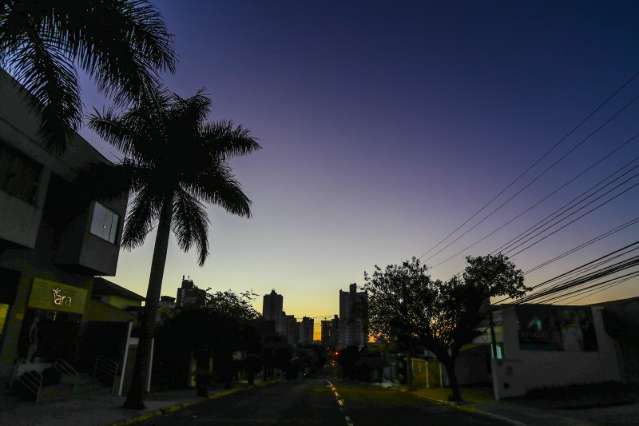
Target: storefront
51, 325
52, 321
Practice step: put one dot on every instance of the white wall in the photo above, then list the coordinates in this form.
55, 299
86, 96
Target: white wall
523, 370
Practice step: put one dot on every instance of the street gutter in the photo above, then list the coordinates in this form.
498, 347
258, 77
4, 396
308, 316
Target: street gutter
169, 409
468, 408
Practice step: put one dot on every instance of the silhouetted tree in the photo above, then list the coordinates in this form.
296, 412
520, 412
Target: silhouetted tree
276, 353
443, 316
225, 325
175, 162
121, 44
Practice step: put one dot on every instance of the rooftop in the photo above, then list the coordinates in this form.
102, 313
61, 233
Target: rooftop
102, 287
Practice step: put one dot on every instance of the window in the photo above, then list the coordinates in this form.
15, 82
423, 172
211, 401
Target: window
19, 175
104, 223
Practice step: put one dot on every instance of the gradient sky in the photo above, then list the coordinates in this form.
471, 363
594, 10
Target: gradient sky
386, 124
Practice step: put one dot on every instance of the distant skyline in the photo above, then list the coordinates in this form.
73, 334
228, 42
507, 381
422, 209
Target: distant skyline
385, 126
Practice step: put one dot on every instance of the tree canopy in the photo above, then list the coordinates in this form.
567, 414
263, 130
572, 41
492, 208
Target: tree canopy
408, 307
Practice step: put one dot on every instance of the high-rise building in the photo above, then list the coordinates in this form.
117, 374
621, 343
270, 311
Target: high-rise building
292, 329
189, 296
329, 332
272, 310
353, 318
273, 306
306, 330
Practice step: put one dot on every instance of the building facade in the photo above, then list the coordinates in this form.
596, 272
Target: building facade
353, 314
536, 346
549, 346
53, 241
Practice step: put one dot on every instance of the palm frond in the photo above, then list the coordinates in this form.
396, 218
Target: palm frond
144, 209
140, 131
189, 113
50, 79
190, 224
219, 186
122, 44
225, 139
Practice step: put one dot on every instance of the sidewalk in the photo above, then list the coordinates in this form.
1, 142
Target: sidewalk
102, 408
520, 414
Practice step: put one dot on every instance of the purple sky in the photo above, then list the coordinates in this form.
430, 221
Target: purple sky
384, 128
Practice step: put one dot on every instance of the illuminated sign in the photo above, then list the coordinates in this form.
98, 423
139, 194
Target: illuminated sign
55, 296
61, 299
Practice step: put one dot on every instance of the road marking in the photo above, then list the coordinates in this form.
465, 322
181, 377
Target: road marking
340, 403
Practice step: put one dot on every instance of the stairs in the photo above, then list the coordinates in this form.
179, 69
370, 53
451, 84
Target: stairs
71, 381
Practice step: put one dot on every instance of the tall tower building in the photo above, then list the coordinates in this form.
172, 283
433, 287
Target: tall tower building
291, 329
272, 310
353, 318
330, 332
306, 330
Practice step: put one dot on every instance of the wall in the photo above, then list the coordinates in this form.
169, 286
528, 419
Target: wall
524, 370
21, 222
622, 317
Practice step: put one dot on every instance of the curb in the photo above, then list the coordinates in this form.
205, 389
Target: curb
182, 405
471, 408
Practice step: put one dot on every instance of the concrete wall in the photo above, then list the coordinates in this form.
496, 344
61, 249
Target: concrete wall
20, 222
524, 370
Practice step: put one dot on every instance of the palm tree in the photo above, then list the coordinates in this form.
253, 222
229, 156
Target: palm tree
175, 162
121, 44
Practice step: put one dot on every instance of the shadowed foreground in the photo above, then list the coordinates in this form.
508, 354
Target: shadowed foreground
314, 403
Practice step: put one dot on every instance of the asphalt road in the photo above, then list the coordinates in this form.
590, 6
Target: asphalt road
314, 402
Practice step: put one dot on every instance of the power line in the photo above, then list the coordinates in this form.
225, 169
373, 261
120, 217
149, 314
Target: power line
583, 196
583, 245
540, 201
602, 204
537, 161
579, 268
559, 286
609, 200
600, 273
592, 292
546, 170
603, 262
629, 275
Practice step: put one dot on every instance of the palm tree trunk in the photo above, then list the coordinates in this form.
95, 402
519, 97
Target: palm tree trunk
135, 397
